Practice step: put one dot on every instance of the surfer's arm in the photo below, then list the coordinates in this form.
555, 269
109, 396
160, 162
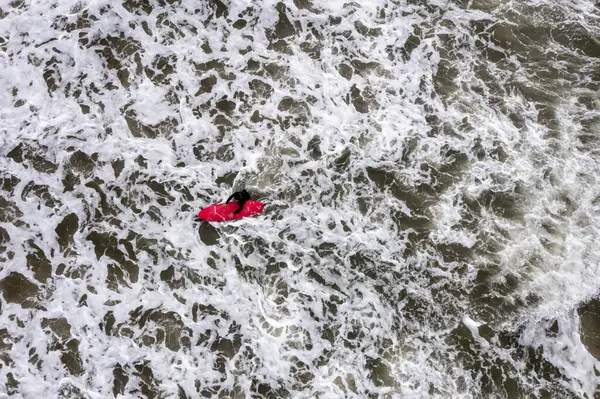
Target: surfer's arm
231, 197
240, 208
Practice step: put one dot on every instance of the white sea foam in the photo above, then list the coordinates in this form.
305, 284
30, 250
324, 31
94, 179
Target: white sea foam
437, 173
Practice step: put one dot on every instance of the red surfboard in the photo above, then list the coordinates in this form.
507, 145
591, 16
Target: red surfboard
223, 212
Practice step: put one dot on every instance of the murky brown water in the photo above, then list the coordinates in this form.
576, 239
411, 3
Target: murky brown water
429, 172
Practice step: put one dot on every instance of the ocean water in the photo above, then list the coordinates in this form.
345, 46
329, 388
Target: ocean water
431, 177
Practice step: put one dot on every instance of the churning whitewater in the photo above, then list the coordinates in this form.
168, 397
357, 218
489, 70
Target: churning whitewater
430, 170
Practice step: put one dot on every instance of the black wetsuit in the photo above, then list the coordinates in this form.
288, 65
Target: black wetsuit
241, 197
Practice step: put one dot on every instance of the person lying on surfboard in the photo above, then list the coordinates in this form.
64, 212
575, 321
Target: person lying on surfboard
241, 207
241, 197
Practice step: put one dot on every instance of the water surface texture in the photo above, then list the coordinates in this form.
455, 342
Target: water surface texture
432, 185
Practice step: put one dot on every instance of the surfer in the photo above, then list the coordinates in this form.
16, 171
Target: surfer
241, 197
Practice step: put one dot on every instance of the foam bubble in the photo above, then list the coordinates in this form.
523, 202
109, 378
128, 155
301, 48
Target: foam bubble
429, 178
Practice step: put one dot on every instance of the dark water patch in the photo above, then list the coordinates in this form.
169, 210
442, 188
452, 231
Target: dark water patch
469, 354
365, 68
497, 375
168, 276
12, 384
70, 391
226, 106
76, 87
219, 9
483, 5
444, 79
148, 384
318, 278
253, 66
362, 29
34, 358
548, 117
267, 69
29, 154
159, 188
492, 295
416, 200
298, 111
576, 37
75, 272
120, 380
9, 183
302, 374
6, 343
521, 39
116, 51
9, 211
108, 322
281, 46
454, 252
16, 154
283, 27
70, 180
538, 48
223, 124
362, 100
379, 372
82, 163
201, 311
138, 7
52, 75
240, 24
84, 20
209, 235
345, 70
4, 239
66, 229
107, 210
589, 313
106, 244
141, 161
175, 29
161, 68
217, 65
446, 174
244, 102
535, 93
42, 192
118, 165
182, 395
230, 345
16, 288
115, 277
165, 128
226, 179
158, 328
312, 46
83, 301
225, 153
260, 88
313, 147
589, 137
267, 389
60, 327
411, 43
507, 204
171, 330
39, 264
149, 245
